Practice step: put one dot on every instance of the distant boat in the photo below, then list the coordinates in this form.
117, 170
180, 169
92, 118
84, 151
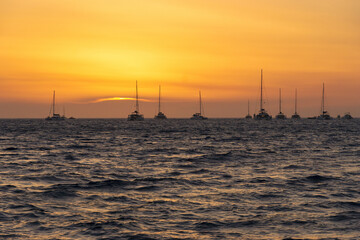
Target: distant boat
280, 115
136, 116
324, 114
64, 114
160, 115
248, 116
296, 115
198, 116
262, 115
347, 116
53, 116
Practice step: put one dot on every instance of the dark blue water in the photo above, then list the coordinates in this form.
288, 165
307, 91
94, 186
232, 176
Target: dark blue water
180, 179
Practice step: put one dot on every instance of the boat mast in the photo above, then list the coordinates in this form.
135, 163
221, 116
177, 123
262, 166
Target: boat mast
137, 100
200, 100
279, 100
323, 100
54, 103
295, 100
248, 107
261, 92
159, 96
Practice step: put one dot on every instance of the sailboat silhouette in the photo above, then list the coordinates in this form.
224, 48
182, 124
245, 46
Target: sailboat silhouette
324, 114
280, 115
248, 116
160, 115
53, 116
199, 116
296, 115
262, 115
136, 116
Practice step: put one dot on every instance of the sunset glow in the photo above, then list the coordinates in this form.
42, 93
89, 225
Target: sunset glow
95, 49
118, 99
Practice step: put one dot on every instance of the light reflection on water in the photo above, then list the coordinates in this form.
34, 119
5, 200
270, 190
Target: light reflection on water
216, 179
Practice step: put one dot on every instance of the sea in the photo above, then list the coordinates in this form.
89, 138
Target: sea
179, 179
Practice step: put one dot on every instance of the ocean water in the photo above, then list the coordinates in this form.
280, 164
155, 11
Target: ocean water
180, 179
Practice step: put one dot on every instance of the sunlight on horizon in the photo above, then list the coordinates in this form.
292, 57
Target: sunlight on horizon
90, 49
119, 99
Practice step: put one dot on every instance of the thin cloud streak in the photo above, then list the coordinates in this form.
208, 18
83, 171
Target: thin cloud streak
118, 99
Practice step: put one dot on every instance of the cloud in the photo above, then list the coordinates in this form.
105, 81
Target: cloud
118, 99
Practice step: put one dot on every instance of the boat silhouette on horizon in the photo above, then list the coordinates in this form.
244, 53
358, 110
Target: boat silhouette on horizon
160, 115
248, 116
295, 115
262, 115
136, 116
280, 115
199, 116
53, 116
324, 114
347, 116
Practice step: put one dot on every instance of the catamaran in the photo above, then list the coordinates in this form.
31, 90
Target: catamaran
136, 116
198, 116
248, 116
262, 115
52, 115
296, 115
280, 115
160, 115
324, 114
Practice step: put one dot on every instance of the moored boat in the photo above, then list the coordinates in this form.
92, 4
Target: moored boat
53, 116
160, 115
280, 115
199, 116
248, 116
262, 115
136, 116
295, 115
324, 114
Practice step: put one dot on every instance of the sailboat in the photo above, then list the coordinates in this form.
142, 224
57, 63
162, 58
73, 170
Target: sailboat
324, 114
248, 116
160, 114
198, 116
296, 115
262, 115
136, 116
52, 115
280, 115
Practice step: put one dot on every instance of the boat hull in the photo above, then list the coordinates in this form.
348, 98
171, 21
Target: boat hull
136, 117
263, 116
295, 116
160, 116
198, 116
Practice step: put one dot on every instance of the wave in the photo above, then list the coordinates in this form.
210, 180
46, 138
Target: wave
345, 216
11, 149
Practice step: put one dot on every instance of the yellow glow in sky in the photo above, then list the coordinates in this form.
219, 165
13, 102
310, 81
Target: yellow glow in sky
92, 49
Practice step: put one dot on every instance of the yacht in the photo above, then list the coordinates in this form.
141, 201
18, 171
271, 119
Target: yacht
160, 115
262, 115
296, 115
248, 116
136, 116
199, 116
53, 116
280, 115
324, 114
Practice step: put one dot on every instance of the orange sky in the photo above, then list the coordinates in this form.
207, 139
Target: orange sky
94, 49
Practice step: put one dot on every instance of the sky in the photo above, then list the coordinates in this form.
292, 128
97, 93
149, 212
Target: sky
93, 51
